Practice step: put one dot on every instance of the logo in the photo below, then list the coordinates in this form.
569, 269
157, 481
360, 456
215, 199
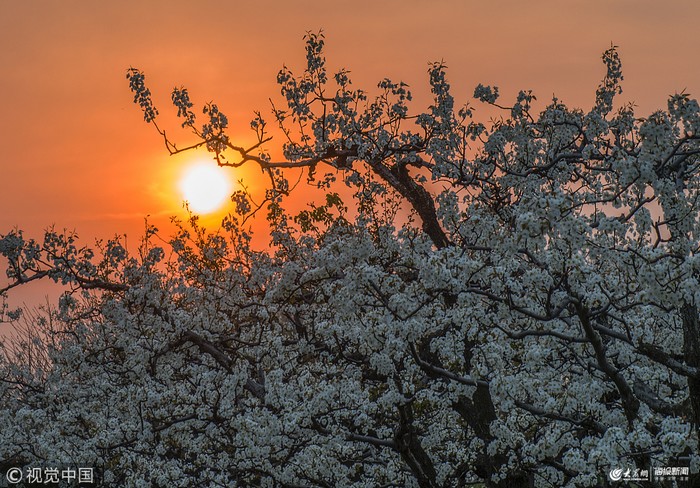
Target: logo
629, 474
671, 473
616, 474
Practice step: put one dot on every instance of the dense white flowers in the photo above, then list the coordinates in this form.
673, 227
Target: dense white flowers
534, 323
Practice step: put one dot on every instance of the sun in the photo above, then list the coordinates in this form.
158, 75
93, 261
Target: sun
205, 186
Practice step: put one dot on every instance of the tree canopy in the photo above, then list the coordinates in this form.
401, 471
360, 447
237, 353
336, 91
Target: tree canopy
533, 322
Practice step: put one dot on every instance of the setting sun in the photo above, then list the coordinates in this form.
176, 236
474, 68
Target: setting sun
205, 186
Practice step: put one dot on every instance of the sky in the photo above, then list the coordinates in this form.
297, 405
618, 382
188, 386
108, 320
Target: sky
76, 154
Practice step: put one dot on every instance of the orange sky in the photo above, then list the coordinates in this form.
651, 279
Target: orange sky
75, 152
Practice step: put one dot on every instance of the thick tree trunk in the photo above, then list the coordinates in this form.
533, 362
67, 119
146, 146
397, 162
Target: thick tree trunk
420, 199
691, 351
408, 445
478, 412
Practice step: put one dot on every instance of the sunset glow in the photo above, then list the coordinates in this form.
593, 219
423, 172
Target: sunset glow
75, 94
205, 187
